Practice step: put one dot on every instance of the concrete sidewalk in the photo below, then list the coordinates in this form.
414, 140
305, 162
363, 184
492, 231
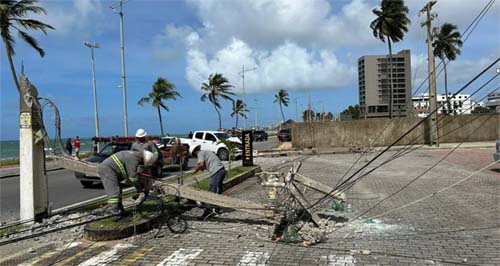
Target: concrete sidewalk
13, 170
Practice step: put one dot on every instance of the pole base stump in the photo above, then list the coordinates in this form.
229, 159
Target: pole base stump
106, 229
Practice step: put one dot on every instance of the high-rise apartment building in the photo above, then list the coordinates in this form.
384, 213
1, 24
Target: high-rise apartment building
373, 75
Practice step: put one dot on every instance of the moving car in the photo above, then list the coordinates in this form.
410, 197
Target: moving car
259, 135
285, 135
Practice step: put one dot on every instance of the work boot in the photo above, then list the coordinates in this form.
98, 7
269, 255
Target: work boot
118, 212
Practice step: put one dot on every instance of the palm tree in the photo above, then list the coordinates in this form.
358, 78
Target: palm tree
162, 90
12, 16
391, 24
283, 99
239, 109
446, 45
217, 86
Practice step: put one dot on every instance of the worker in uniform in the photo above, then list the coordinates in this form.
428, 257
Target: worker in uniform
123, 165
209, 160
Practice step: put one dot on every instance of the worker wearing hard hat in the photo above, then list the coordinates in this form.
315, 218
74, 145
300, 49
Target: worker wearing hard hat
123, 165
140, 144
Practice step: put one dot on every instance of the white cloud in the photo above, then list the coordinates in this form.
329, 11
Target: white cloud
172, 42
287, 66
267, 23
69, 18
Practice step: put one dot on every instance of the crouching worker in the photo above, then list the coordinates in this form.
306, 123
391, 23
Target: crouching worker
123, 165
209, 160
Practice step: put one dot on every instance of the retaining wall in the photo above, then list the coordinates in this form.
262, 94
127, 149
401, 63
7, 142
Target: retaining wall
383, 132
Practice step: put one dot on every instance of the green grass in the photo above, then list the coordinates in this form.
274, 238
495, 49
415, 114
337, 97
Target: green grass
150, 207
204, 184
12, 229
9, 162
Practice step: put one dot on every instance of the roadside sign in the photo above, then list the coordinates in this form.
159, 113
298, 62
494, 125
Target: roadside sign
25, 120
247, 148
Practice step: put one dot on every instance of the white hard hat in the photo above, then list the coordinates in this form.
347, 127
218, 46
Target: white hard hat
148, 158
141, 133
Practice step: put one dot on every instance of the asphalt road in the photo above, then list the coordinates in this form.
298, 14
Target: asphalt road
65, 190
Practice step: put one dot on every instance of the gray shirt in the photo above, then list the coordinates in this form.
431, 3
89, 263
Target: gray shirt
212, 162
148, 145
127, 166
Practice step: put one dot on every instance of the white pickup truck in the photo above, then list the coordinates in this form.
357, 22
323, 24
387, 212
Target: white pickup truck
211, 141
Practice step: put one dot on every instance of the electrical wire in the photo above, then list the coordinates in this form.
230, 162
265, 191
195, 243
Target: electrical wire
404, 135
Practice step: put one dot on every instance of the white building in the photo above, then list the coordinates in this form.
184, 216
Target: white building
459, 104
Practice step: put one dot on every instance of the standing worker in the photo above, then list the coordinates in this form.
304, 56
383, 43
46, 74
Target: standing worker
123, 165
155, 168
76, 143
69, 146
141, 144
209, 160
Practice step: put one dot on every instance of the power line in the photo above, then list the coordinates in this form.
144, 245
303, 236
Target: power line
402, 136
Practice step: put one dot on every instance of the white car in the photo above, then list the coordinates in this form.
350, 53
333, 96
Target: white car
211, 141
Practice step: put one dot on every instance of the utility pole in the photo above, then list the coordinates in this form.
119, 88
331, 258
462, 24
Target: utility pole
242, 73
96, 116
122, 48
256, 113
296, 110
434, 128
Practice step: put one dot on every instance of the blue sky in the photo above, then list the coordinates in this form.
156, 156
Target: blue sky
301, 46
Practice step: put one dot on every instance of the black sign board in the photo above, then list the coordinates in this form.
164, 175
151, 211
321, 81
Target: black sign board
247, 138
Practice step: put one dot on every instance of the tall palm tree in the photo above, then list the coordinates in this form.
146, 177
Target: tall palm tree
391, 24
162, 90
217, 87
447, 42
283, 99
12, 17
239, 109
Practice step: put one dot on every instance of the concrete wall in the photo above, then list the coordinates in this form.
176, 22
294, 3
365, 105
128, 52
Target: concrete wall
382, 132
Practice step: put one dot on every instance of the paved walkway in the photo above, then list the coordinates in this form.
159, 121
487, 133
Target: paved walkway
458, 226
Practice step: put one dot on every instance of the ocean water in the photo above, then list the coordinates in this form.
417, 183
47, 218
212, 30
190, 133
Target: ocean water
9, 149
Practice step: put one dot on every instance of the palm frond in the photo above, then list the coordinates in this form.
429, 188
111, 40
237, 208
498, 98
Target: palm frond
143, 101
31, 41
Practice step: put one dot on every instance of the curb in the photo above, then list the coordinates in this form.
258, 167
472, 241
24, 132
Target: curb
18, 172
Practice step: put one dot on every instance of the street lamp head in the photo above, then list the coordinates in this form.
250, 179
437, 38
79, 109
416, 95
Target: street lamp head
91, 45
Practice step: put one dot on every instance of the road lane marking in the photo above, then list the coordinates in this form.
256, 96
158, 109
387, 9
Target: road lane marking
254, 259
181, 257
334, 260
106, 257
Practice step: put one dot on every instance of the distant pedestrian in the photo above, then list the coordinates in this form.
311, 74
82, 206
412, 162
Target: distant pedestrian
76, 143
209, 160
94, 145
190, 134
69, 146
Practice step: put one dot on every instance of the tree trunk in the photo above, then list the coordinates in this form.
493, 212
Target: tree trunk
389, 67
448, 105
218, 113
12, 68
282, 115
236, 121
161, 123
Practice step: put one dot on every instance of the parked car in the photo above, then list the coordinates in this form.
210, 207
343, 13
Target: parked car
106, 151
259, 135
167, 158
285, 135
496, 155
211, 141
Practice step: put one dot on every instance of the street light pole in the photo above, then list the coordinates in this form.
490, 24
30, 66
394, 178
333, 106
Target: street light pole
242, 73
124, 83
96, 115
